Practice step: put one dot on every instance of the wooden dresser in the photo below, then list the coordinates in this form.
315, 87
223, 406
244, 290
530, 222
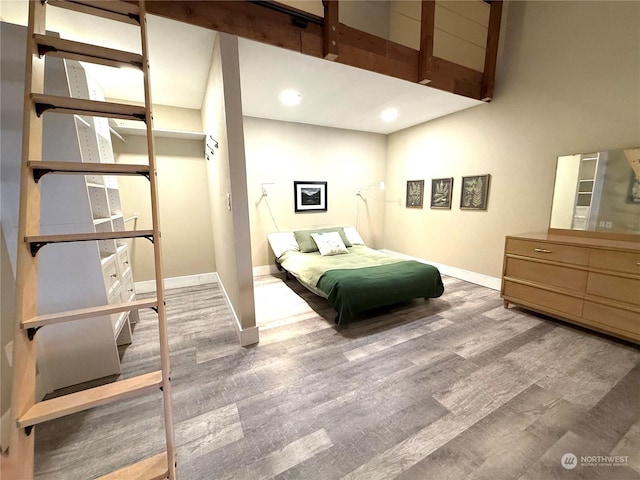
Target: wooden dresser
589, 281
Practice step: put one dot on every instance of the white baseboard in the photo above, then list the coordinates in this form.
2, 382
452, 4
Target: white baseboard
466, 275
264, 270
246, 336
149, 286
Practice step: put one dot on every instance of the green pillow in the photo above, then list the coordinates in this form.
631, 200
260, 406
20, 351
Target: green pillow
306, 243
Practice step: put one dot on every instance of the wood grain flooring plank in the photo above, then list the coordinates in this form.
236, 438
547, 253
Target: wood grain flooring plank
497, 352
396, 338
629, 446
491, 338
208, 431
285, 458
512, 438
407, 453
389, 395
558, 359
549, 466
612, 417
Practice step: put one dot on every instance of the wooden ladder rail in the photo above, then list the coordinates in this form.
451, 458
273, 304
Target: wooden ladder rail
157, 253
19, 461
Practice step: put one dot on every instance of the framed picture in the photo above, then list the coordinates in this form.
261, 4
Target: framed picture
633, 196
415, 193
310, 196
475, 192
441, 189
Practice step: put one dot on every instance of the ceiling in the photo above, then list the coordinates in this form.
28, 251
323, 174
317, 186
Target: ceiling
333, 95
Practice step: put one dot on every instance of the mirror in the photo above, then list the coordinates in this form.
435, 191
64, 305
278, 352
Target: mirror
598, 191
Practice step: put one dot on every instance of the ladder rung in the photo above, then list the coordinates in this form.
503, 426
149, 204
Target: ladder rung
81, 106
81, 313
37, 242
113, 10
40, 168
152, 468
54, 46
94, 397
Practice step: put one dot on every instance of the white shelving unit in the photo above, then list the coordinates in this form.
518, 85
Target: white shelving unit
81, 275
94, 139
588, 191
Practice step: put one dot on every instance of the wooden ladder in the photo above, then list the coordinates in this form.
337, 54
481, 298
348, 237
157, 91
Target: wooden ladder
26, 413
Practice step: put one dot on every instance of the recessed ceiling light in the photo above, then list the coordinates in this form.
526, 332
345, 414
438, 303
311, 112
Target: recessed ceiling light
290, 97
389, 115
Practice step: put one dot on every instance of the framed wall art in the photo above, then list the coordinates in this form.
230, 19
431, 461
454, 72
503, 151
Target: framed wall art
441, 189
415, 193
310, 196
474, 192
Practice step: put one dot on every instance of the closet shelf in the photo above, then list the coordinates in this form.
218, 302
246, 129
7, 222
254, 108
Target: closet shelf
125, 127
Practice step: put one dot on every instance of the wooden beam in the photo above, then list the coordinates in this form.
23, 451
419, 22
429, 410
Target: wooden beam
357, 48
491, 52
363, 50
454, 78
427, 25
244, 19
330, 29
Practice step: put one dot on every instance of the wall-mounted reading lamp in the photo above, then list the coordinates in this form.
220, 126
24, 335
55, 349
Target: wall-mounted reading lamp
264, 189
379, 185
266, 201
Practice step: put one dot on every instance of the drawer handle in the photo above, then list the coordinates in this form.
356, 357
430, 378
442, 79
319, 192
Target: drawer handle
113, 275
126, 263
541, 250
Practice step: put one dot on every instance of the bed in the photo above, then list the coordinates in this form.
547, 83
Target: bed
351, 276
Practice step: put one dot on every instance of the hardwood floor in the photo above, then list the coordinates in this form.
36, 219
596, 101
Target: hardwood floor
451, 388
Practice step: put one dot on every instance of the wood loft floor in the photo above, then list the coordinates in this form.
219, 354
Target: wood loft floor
452, 388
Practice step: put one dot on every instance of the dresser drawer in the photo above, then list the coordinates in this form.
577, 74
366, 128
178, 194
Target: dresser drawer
548, 251
546, 300
616, 288
626, 262
605, 315
123, 260
110, 274
127, 287
546, 274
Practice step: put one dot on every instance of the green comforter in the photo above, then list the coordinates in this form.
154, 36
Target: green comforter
363, 279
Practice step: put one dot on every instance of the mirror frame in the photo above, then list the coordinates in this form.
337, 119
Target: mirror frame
599, 234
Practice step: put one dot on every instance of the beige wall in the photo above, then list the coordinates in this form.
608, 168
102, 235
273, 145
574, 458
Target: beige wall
460, 32
185, 218
175, 118
226, 172
282, 152
405, 20
311, 6
567, 82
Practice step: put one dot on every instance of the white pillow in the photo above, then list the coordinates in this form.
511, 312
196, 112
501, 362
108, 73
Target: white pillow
329, 243
353, 236
281, 242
